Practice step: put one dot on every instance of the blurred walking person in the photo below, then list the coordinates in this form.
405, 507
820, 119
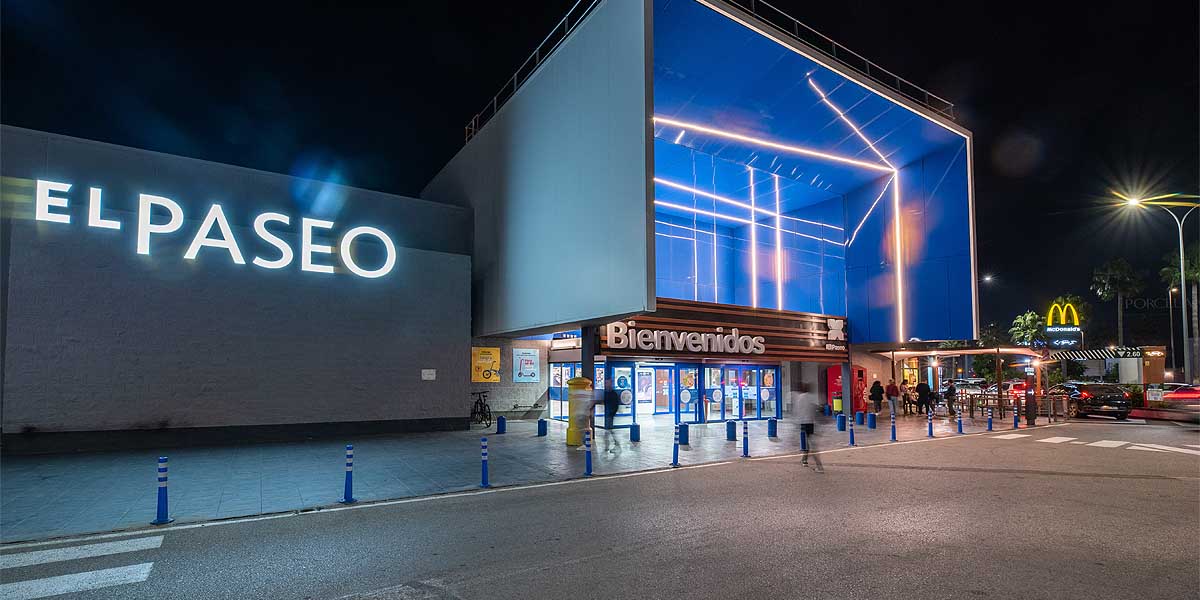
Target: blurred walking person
893, 395
807, 407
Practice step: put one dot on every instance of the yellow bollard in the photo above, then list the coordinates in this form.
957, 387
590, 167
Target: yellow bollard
581, 407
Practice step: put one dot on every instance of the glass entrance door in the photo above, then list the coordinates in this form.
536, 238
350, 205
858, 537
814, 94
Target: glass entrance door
689, 406
731, 402
748, 385
714, 395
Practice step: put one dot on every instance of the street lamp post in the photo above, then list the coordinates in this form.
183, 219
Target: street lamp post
1164, 202
1171, 322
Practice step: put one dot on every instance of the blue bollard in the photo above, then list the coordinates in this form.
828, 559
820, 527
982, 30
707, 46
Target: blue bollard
483, 482
959, 421
635, 433
841, 422
348, 493
989, 419
501, 424
587, 453
745, 439
675, 448
772, 428
930, 415
803, 440
858, 417
683, 434
827, 410
731, 430
893, 427
542, 429
162, 518
852, 432
1016, 416
871, 421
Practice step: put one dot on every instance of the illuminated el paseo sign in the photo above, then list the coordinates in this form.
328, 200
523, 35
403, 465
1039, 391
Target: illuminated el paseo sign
1067, 333
214, 232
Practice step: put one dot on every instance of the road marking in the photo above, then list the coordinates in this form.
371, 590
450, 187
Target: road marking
25, 559
76, 582
1054, 440
1171, 449
1192, 445
1010, 436
1078, 442
1143, 448
1108, 444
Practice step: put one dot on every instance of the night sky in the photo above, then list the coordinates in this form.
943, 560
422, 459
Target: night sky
1066, 100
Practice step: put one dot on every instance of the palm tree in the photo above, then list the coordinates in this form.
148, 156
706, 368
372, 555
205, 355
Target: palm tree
1027, 329
1170, 276
1116, 279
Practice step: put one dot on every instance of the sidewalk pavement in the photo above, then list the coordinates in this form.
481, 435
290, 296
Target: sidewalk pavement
67, 494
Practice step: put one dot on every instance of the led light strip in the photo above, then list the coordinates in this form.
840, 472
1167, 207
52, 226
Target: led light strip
770, 144
841, 115
736, 220
870, 210
700, 192
753, 248
778, 250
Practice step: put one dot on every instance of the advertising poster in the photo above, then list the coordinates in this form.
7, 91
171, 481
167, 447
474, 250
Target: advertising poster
526, 365
485, 365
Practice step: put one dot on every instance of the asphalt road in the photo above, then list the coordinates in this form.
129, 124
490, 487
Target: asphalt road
972, 516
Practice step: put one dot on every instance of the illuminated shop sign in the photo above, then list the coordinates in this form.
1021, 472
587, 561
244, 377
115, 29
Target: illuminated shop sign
214, 231
624, 336
1067, 333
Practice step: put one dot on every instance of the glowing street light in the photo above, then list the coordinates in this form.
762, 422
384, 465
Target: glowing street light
1167, 202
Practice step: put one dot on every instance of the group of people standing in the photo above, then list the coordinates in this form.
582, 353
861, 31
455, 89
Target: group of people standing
901, 397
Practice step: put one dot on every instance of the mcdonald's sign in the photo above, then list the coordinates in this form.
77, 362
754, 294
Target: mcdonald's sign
1067, 333
1063, 310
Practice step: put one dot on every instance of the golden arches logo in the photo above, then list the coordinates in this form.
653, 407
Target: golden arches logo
1062, 310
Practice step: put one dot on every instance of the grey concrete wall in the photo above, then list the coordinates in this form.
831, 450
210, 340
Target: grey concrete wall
98, 337
559, 182
516, 400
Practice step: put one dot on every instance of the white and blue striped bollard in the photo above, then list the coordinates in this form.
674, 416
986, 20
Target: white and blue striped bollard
989, 418
1016, 415
893, 427
929, 414
675, 448
587, 452
348, 495
745, 439
484, 453
851, 424
162, 518
959, 414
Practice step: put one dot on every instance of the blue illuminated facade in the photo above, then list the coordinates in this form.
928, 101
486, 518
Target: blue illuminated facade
780, 182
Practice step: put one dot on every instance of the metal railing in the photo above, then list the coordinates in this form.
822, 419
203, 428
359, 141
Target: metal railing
763, 12
788, 25
562, 29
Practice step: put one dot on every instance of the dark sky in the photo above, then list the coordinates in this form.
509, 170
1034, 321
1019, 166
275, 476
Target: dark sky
1066, 100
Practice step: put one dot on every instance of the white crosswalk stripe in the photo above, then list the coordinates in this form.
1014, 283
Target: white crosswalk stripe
1108, 444
25, 559
1054, 440
1011, 436
1102, 443
75, 582
1171, 449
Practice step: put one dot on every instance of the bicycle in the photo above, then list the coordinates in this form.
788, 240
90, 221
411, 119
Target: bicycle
481, 412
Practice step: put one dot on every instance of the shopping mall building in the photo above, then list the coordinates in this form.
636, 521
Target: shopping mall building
679, 198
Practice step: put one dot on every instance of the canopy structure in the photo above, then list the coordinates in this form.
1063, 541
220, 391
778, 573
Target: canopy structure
901, 354
1098, 354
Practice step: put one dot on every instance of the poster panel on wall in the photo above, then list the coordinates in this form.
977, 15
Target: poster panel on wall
526, 365
485, 365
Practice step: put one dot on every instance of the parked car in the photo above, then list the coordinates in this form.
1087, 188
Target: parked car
1184, 398
1012, 389
1084, 398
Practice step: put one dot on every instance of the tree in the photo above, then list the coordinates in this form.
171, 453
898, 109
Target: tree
1116, 279
992, 336
1170, 276
1028, 329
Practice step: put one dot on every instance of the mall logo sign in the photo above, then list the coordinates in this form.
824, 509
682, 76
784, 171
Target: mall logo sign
214, 231
623, 336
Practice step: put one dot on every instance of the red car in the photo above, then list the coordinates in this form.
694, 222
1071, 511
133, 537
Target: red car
1187, 392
